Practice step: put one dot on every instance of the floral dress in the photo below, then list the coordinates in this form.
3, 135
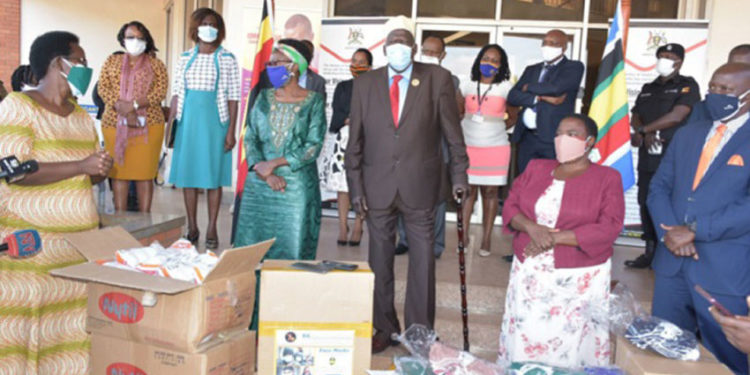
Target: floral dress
547, 315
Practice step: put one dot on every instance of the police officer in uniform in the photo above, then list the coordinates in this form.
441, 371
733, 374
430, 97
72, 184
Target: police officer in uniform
661, 108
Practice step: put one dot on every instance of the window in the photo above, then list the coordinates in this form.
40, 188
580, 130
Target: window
556, 10
458, 9
370, 8
603, 10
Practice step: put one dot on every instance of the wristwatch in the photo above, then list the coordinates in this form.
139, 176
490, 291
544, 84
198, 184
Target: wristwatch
692, 226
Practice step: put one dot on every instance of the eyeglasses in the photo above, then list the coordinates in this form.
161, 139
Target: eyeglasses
279, 62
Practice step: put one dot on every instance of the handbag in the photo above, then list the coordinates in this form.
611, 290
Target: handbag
172, 134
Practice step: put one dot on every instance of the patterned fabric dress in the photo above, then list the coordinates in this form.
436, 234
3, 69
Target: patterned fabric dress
42, 319
142, 152
545, 316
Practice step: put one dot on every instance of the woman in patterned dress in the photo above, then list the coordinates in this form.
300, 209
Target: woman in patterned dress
133, 86
564, 215
335, 175
42, 319
207, 89
283, 140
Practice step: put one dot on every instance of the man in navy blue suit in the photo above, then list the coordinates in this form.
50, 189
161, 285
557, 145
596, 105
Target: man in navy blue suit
738, 54
547, 92
700, 202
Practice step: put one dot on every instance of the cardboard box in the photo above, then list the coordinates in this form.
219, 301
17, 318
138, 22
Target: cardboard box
635, 361
235, 355
173, 314
309, 320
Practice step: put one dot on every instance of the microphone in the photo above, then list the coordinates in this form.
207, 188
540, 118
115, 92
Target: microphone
13, 170
22, 244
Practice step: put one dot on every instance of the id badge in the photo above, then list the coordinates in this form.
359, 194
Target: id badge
477, 118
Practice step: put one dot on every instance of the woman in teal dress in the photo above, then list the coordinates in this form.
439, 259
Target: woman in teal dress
284, 136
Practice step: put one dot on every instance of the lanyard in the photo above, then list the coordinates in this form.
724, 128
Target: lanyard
480, 98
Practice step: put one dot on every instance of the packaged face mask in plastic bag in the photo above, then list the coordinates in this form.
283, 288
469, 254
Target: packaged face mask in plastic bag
664, 338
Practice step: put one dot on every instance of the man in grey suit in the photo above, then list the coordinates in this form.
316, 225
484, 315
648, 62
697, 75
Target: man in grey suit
399, 115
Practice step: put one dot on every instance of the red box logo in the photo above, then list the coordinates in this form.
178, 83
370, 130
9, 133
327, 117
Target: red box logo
121, 307
124, 369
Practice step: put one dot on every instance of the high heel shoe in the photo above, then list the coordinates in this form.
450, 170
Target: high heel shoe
356, 243
193, 236
344, 242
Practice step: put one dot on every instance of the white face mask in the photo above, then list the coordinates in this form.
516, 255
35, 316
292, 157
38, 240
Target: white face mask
550, 53
207, 33
665, 67
135, 46
399, 56
429, 59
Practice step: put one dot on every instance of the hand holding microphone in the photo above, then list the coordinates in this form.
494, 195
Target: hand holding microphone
12, 170
21, 244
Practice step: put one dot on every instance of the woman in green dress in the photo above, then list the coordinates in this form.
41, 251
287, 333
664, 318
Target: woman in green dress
284, 136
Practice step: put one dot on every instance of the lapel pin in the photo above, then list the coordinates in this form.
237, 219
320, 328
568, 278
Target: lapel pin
415, 82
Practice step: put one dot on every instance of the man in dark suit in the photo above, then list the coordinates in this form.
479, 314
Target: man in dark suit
399, 115
700, 204
311, 80
547, 92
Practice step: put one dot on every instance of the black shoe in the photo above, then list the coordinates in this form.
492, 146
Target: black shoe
382, 341
644, 260
508, 258
401, 249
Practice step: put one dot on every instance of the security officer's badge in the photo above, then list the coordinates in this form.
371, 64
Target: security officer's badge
685, 90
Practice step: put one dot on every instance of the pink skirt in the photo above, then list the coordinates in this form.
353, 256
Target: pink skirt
488, 165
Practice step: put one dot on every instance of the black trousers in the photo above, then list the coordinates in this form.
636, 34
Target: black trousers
644, 181
532, 147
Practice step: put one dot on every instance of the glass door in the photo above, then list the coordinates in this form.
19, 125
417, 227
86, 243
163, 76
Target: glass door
462, 44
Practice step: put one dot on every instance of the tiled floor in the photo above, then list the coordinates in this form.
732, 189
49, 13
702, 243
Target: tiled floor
487, 278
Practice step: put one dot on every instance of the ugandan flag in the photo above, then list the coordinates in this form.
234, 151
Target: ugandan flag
609, 105
257, 83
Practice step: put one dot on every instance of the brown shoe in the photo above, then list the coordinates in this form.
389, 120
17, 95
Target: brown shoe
382, 341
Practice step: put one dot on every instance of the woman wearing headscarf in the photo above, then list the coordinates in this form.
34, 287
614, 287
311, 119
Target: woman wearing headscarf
565, 216
43, 318
207, 90
133, 86
283, 138
334, 173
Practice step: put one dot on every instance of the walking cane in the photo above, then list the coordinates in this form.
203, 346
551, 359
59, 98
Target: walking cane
462, 267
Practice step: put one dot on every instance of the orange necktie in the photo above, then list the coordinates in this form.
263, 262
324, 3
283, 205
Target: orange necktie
708, 153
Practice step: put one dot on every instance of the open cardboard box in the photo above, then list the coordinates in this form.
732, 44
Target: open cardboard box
323, 319
636, 361
170, 313
232, 354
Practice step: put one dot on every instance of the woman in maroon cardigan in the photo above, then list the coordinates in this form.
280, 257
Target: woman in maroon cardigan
564, 215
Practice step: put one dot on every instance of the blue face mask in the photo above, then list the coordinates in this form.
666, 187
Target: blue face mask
722, 107
399, 56
488, 70
278, 75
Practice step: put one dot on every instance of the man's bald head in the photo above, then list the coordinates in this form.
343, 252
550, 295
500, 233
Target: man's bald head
740, 54
556, 38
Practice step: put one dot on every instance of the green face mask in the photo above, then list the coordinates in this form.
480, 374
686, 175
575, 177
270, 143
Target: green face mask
79, 78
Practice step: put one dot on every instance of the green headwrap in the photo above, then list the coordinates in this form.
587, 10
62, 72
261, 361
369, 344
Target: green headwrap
295, 56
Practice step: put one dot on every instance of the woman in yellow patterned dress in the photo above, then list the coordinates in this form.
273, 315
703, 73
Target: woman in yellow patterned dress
42, 319
133, 85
